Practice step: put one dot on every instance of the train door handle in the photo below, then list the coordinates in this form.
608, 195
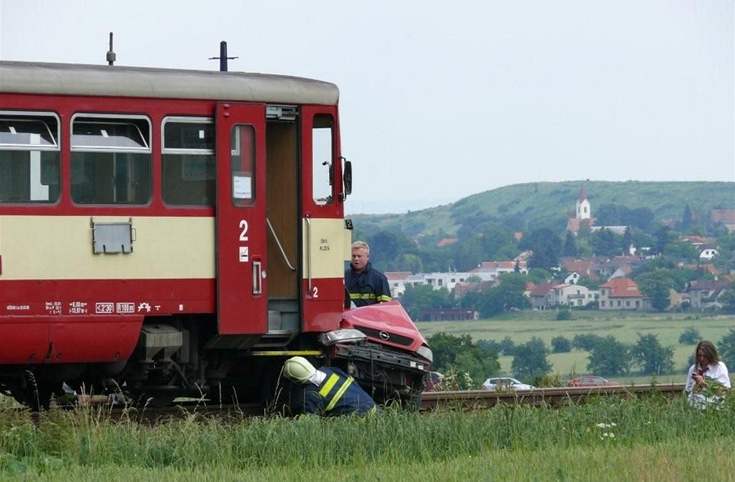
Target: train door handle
257, 277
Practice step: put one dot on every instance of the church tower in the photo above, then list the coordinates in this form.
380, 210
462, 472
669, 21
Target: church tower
584, 210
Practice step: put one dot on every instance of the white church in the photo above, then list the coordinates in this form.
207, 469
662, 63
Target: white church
583, 217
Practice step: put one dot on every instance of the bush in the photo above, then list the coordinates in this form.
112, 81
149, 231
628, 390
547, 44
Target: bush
690, 336
726, 347
507, 347
471, 362
586, 342
529, 360
548, 381
559, 344
609, 357
564, 314
653, 358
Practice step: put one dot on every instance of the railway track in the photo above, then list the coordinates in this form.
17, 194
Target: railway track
479, 399
431, 401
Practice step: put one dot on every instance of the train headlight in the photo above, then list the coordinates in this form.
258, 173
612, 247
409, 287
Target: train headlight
347, 335
425, 352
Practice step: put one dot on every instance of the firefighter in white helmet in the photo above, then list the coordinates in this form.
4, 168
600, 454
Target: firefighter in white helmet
325, 391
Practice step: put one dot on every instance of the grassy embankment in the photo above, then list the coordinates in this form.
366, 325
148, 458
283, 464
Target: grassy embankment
625, 327
607, 440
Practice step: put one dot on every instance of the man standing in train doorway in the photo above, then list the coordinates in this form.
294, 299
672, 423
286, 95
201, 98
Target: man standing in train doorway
364, 284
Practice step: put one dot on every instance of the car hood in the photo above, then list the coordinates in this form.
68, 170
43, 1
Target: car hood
386, 323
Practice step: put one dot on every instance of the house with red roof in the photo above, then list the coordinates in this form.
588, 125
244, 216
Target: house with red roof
622, 294
705, 294
542, 296
726, 217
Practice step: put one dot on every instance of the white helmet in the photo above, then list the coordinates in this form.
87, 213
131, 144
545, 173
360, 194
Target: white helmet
298, 369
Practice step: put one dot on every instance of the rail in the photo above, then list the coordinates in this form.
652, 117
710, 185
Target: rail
468, 400
478, 399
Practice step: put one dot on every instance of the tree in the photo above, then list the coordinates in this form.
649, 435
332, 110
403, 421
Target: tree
546, 247
469, 253
489, 345
559, 344
410, 262
686, 219
418, 298
683, 251
690, 336
656, 285
461, 354
564, 314
627, 241
726, 348
728, 300
570, 245
511, 289
504, 297
605, 243
609, 357
615, 215
538, 275
663, 237
507, 346
653, 358
588, 282
586, 342
530, 360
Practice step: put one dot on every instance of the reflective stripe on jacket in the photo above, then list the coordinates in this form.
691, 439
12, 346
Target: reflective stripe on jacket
339, 394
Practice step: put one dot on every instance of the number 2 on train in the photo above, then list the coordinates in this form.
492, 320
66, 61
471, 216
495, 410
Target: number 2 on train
244, 254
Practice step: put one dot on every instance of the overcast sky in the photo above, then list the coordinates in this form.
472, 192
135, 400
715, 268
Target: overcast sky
440, 100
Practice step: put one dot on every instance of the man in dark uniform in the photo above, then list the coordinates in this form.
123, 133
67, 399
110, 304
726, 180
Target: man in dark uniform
327, 391
365, 285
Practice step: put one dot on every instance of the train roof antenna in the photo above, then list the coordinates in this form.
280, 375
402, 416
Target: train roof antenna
223, 58
111, 54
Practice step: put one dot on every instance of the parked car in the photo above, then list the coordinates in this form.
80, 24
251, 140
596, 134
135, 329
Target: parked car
589, 381
505, 384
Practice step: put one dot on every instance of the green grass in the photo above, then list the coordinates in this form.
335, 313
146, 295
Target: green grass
625, 327
666, 461
652, 437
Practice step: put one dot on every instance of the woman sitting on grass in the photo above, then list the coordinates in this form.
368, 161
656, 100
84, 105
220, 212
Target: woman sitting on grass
708, 379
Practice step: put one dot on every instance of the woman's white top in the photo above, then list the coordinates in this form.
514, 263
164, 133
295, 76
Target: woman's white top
716, 371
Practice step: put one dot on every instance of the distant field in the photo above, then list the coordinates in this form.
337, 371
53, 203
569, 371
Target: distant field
623, 326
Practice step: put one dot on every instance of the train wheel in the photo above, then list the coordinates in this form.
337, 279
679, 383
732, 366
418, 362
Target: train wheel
33, 393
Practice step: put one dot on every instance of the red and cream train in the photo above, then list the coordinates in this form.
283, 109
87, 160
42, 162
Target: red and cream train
176, 232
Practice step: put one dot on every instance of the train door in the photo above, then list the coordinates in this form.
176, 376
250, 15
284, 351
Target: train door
241, 237
324, 231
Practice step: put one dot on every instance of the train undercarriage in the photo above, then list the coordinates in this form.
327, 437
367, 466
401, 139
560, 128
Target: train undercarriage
184, 359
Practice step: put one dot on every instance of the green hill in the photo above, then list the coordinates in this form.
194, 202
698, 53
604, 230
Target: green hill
524, 207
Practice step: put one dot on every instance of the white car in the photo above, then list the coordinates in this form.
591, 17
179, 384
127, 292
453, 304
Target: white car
505, 384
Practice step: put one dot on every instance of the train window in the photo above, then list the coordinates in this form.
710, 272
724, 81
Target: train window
242, 156
188, 161
110, 159
322, 155
29, 158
